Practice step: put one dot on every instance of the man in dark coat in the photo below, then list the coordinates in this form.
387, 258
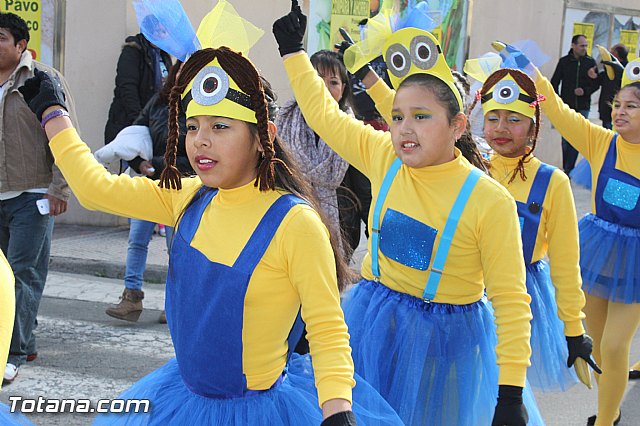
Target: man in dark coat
577, 86
141, 69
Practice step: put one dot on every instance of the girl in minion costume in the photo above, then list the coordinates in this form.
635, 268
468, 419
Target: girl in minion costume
442, 232
7, 314
610, 235
248, 255
548, 223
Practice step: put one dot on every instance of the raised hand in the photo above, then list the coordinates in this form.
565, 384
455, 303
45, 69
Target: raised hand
289, 30
42, 91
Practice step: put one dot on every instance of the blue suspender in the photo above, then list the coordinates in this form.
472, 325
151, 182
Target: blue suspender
536, 198
447, 235
375, 228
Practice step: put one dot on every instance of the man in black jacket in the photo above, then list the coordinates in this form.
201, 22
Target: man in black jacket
140, 72
577, 87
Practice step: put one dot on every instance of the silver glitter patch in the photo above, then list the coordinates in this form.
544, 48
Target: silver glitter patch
621, 194
406, 240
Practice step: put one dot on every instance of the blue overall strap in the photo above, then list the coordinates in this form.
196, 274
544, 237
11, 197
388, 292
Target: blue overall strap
536, 198
264, 232
447, 235
375, 226
199, 202
295, 334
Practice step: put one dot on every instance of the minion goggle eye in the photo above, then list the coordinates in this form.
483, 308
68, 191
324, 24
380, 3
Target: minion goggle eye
633, 71
424, 52
398, 60
506, 92
210, 86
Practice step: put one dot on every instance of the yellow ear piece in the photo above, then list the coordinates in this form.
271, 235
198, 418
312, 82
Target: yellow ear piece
413, 51
606, 56
631, 72
506, 94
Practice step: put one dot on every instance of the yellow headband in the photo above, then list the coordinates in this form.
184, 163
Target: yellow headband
631, 72
506, 94
213, 92
413, 51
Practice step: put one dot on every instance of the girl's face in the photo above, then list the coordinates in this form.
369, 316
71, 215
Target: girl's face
223, 151
333, 82
507, 132
625, 114
420, 131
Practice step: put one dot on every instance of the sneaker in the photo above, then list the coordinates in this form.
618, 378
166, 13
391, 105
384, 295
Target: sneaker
10, 373
162, 319
32, 357
162, 231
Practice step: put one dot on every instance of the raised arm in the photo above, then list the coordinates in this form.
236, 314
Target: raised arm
95, 187
356, 143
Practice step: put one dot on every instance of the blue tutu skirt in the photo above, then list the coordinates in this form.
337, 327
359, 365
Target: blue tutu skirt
609, 263
292, 402
7, 418
435, 363
581, 174
549, 353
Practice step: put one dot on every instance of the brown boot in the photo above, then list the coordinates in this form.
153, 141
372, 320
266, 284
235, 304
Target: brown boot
130, 306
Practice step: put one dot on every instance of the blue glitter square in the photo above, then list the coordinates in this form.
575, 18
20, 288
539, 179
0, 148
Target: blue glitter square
406, 240
621, 194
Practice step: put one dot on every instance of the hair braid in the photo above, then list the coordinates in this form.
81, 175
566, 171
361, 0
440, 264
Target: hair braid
170, 177
248, 80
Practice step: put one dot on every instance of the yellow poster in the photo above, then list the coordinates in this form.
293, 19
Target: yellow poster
31, 12
630, 39
586, 29
347, 14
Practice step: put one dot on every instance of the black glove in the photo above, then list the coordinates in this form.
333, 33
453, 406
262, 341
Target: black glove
343, 418
617, 66
343, 46
581, 346
289, 30
42, 91
510, 410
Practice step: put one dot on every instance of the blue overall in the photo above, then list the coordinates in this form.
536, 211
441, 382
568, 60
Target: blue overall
548, 371
617, 192
531, 211
205, 306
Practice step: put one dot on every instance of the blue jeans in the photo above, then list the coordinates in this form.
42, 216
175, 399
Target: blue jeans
25, 238
569, 153
140, 232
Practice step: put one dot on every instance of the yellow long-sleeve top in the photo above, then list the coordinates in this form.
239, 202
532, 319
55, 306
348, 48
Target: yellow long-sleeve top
7, 309
558, 231
297, 267
557, 235
590, 139
482, 253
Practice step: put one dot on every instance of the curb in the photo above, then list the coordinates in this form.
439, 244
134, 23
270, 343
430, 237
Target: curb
153, 273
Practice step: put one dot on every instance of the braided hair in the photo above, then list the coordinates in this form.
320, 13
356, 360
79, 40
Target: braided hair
242, 71
525, 82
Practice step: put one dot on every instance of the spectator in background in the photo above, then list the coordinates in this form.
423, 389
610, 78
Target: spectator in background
572, 82
155, 116
28, 175
610, 87
139, 75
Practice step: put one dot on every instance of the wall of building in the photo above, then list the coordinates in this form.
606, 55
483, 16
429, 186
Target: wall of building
95, 32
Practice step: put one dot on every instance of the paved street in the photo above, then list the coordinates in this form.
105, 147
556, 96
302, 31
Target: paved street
85, 354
